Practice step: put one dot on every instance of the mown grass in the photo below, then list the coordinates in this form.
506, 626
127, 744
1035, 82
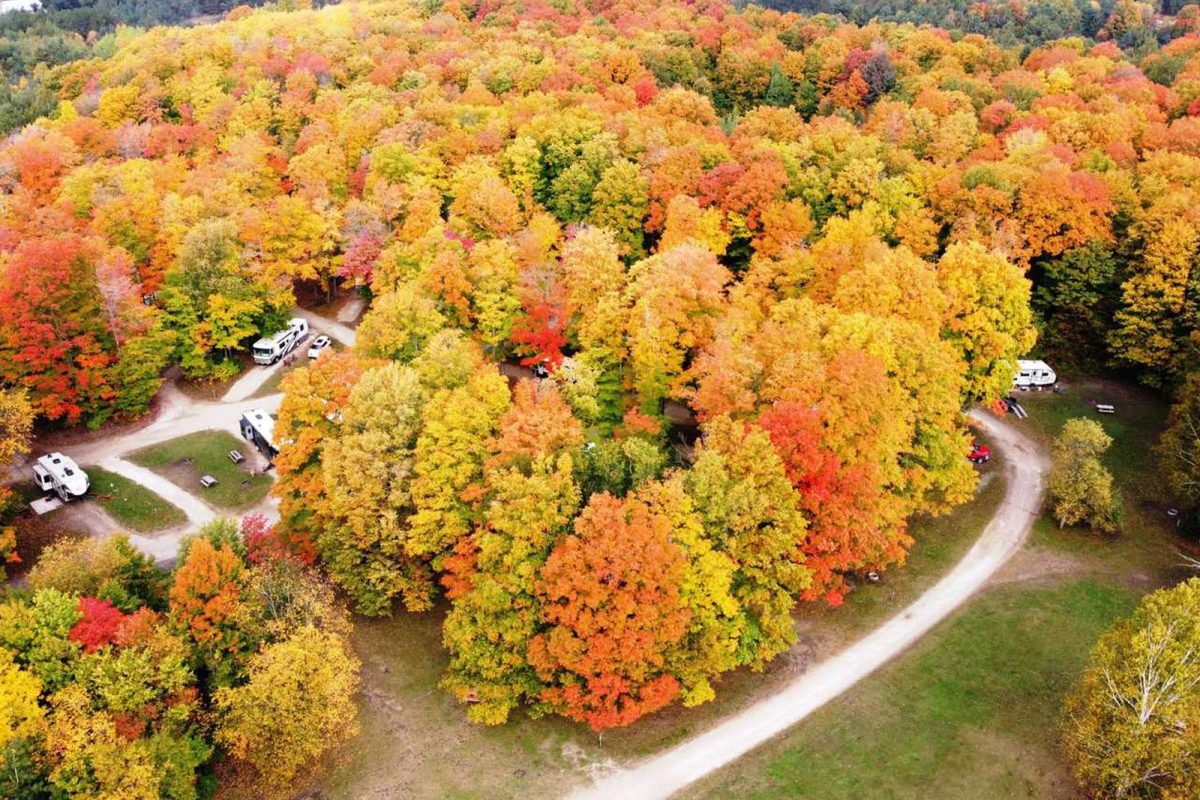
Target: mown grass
1144, 551
131, 504
184, 460
971, 711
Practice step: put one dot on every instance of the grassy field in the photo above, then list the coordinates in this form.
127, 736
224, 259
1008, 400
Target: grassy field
972, 711
184, 460
131, 504
416, 744
1144, 553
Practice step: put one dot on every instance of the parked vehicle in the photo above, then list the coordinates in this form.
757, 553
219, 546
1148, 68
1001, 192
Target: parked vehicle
270, 349
980, 453
1034, 375
258, 428
60, 474
319, 345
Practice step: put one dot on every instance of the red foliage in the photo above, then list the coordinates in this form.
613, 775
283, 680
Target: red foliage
52, 328
611, 598
361, 255
837, 500
137, 628
635, 423
98, 626
540, 335
645, 89
266, 542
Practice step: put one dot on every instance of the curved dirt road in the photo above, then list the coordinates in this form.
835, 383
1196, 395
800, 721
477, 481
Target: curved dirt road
663, 775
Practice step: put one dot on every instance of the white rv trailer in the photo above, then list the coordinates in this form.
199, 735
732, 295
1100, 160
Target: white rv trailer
1034, 375
60, 474
270, 349
258, 427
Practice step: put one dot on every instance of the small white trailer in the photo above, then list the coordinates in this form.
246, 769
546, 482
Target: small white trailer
270, 349
60, 474
258, 428
1034, 375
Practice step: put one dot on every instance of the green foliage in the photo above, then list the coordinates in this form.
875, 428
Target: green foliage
111, 569
1081, 489
1179, 447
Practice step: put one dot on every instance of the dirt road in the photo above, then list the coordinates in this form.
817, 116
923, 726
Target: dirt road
663, 775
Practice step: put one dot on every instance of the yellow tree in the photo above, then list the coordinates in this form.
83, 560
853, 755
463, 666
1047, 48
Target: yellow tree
675, 299
458, 435
987, 317
367, 470
298, 703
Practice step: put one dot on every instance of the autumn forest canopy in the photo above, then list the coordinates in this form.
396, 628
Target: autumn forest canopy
767, 261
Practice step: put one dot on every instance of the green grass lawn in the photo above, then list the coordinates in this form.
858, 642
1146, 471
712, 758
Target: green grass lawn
971, 712
1144, 553
131, 504
184, 460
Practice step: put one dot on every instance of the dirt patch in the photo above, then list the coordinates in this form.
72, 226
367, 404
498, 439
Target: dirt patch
1047, 771
1039, 564
36, 533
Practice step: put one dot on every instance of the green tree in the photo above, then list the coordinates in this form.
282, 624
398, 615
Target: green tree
1081, 489
751, 513
496, 611
1179, 448
619, 203
780, 89
367, 470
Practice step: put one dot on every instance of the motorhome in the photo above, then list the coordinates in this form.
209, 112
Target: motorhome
258, 427
60, 474
1034, 375
270, 349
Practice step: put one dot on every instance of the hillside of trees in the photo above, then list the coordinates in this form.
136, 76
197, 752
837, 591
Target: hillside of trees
34, 43
1134, 25
816, 241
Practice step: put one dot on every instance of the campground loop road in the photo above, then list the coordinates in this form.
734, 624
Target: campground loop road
179, 415
666, 774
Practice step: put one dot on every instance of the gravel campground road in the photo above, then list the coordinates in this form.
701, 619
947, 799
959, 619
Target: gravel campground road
666, 774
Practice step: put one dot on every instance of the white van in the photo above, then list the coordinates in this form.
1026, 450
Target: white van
1034, 375
270, 349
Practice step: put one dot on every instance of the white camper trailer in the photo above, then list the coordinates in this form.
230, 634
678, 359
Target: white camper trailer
270, 349
60, 474
1034, 375
258, 427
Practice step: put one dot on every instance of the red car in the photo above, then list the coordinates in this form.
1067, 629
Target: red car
979, 454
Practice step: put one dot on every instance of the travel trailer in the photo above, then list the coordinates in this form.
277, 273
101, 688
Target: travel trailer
270, 349
60, 474
1034, 375
258, 427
